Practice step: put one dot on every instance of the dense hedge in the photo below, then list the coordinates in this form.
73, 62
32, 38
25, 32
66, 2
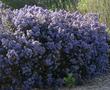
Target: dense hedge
43, 47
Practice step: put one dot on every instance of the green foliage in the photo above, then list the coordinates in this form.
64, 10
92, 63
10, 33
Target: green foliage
69, 80
102, 7
82, 6
19, 3
50, 4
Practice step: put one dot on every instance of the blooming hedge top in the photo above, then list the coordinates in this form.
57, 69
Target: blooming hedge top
43, 47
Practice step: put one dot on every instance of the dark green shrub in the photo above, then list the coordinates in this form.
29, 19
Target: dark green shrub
50, 4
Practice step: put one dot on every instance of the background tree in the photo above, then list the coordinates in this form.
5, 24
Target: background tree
50, 4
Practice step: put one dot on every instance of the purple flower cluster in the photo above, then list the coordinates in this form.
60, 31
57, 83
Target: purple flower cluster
46, 46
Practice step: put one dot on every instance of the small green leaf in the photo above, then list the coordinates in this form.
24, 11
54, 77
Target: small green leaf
69, 80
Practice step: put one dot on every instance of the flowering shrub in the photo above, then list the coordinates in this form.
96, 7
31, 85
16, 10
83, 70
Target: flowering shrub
45, 46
